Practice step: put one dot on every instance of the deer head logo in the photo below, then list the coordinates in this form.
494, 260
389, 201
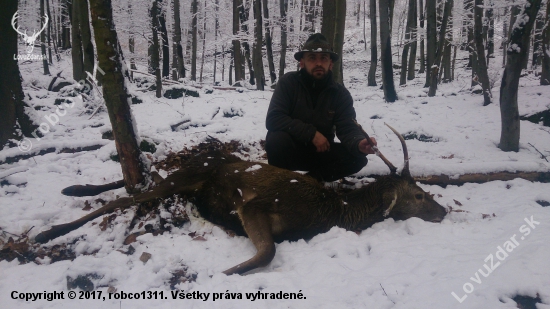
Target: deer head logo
29, 40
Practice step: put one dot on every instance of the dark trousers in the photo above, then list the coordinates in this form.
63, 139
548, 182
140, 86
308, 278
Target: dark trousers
285, 152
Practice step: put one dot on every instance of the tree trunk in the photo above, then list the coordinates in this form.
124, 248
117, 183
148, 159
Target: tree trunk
257, 48
373, 46
165, 45
155, 57
216, 28
410, 28
446, 63
268, 42
481, 71
431, 39
66, 12
504, 36
49, 34
43, 40
194, 26
537, 42
422, 68
203, 39
490, 19
414, 32
516, 54
116, 97
334, 19
76, 52
338, 45
86, 35
243, 13
13, 120
178, 48
283, 8
440, 48
131, 40
386, 56
545, 74
238, 60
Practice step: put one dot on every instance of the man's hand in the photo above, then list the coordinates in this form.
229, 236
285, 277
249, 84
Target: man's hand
320, 142
365, 147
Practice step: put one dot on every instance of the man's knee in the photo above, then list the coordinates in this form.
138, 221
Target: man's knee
279, 146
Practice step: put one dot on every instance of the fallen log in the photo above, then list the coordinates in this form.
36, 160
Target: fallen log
445, 180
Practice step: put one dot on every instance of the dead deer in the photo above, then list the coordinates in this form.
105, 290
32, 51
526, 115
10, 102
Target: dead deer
270, 204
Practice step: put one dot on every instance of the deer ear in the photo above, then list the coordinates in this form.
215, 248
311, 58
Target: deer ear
389, 201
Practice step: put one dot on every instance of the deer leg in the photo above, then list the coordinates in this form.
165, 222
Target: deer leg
91, 190
165, 189
62, 229
258, 228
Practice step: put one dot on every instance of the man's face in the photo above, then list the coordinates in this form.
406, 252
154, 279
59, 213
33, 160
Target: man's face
316, 64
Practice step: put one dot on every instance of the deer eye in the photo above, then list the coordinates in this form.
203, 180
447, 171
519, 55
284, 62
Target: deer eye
419, 196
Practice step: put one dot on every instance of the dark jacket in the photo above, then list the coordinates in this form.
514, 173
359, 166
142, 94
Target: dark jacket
292, 110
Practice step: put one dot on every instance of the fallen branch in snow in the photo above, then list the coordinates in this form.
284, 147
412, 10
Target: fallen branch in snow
542, 155
49, 150
444, 180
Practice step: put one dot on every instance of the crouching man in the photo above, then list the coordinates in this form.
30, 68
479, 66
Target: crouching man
305, 112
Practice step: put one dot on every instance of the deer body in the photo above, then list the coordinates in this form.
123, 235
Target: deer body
270, 204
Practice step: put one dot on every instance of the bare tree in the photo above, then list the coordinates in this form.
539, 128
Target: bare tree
66, 12
43, 39
164, 36
422, 68
283, 8
413, 39
238, 60
481, 71
545, 74
516, 54
334, 20
243, 14
195, 7
431, 38
410, 29
76, 42
537, 42
371, 79
154, 49
434, 68
115, 93
14, 122
257, 48
268, 42
178, 63
386, 11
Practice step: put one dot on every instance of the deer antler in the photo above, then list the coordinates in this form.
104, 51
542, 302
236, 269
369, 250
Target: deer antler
405, 172
393, 169
13, 20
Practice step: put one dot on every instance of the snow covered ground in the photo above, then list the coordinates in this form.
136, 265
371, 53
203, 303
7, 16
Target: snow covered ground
493, 249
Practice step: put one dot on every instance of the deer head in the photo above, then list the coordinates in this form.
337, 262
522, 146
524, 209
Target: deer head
29, 40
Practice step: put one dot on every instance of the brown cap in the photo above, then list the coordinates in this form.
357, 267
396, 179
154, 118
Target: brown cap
316, 43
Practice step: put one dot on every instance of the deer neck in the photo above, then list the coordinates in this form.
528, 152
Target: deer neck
363, 207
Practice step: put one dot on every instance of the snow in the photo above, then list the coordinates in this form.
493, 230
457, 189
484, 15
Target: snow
393, 264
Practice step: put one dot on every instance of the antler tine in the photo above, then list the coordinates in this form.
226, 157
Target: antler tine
13, 20
405, 172
45, 23
393, 169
